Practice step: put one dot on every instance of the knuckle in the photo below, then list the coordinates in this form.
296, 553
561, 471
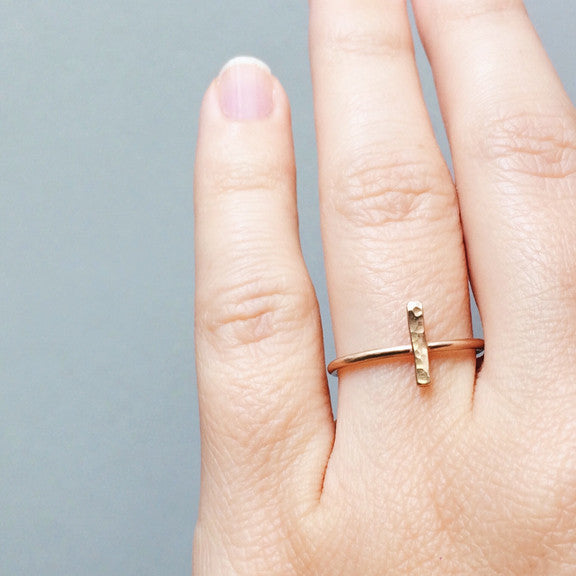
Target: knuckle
365, 36
375, 190
252, 331
534, 146
253, 307
365, 41
455, 11
268, 173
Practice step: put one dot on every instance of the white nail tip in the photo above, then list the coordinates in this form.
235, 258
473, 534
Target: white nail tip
245, 61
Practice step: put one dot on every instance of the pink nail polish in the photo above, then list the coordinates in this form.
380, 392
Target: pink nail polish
246, 89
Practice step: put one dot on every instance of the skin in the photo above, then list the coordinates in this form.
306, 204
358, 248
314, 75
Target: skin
476, 474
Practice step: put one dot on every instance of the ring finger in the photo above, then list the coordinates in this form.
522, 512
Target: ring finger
390, 221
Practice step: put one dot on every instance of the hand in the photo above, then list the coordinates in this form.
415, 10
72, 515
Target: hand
475, 475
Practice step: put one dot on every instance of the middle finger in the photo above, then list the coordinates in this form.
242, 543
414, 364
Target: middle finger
390, 218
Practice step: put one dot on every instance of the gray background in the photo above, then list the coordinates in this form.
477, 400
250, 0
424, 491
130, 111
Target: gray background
99, 451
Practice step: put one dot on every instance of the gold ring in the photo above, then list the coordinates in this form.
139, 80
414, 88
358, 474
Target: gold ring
419, 348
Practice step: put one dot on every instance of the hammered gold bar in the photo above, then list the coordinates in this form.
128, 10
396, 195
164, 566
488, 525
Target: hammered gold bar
419, 344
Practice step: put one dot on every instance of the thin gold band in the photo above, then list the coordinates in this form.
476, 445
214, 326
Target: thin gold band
419, 348
385, 353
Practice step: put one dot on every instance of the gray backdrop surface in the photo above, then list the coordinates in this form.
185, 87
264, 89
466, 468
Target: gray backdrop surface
99, 450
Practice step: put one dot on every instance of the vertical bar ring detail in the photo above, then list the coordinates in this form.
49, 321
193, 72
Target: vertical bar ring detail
419, 343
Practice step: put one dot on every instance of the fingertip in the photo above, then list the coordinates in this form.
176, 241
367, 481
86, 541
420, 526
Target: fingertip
245, 91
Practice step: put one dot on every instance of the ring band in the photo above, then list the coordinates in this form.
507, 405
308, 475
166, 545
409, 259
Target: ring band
419, 348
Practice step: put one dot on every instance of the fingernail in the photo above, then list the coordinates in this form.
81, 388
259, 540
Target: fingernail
246, 89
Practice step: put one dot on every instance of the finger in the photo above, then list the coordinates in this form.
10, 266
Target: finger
390, 217
263, 398
513, 135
